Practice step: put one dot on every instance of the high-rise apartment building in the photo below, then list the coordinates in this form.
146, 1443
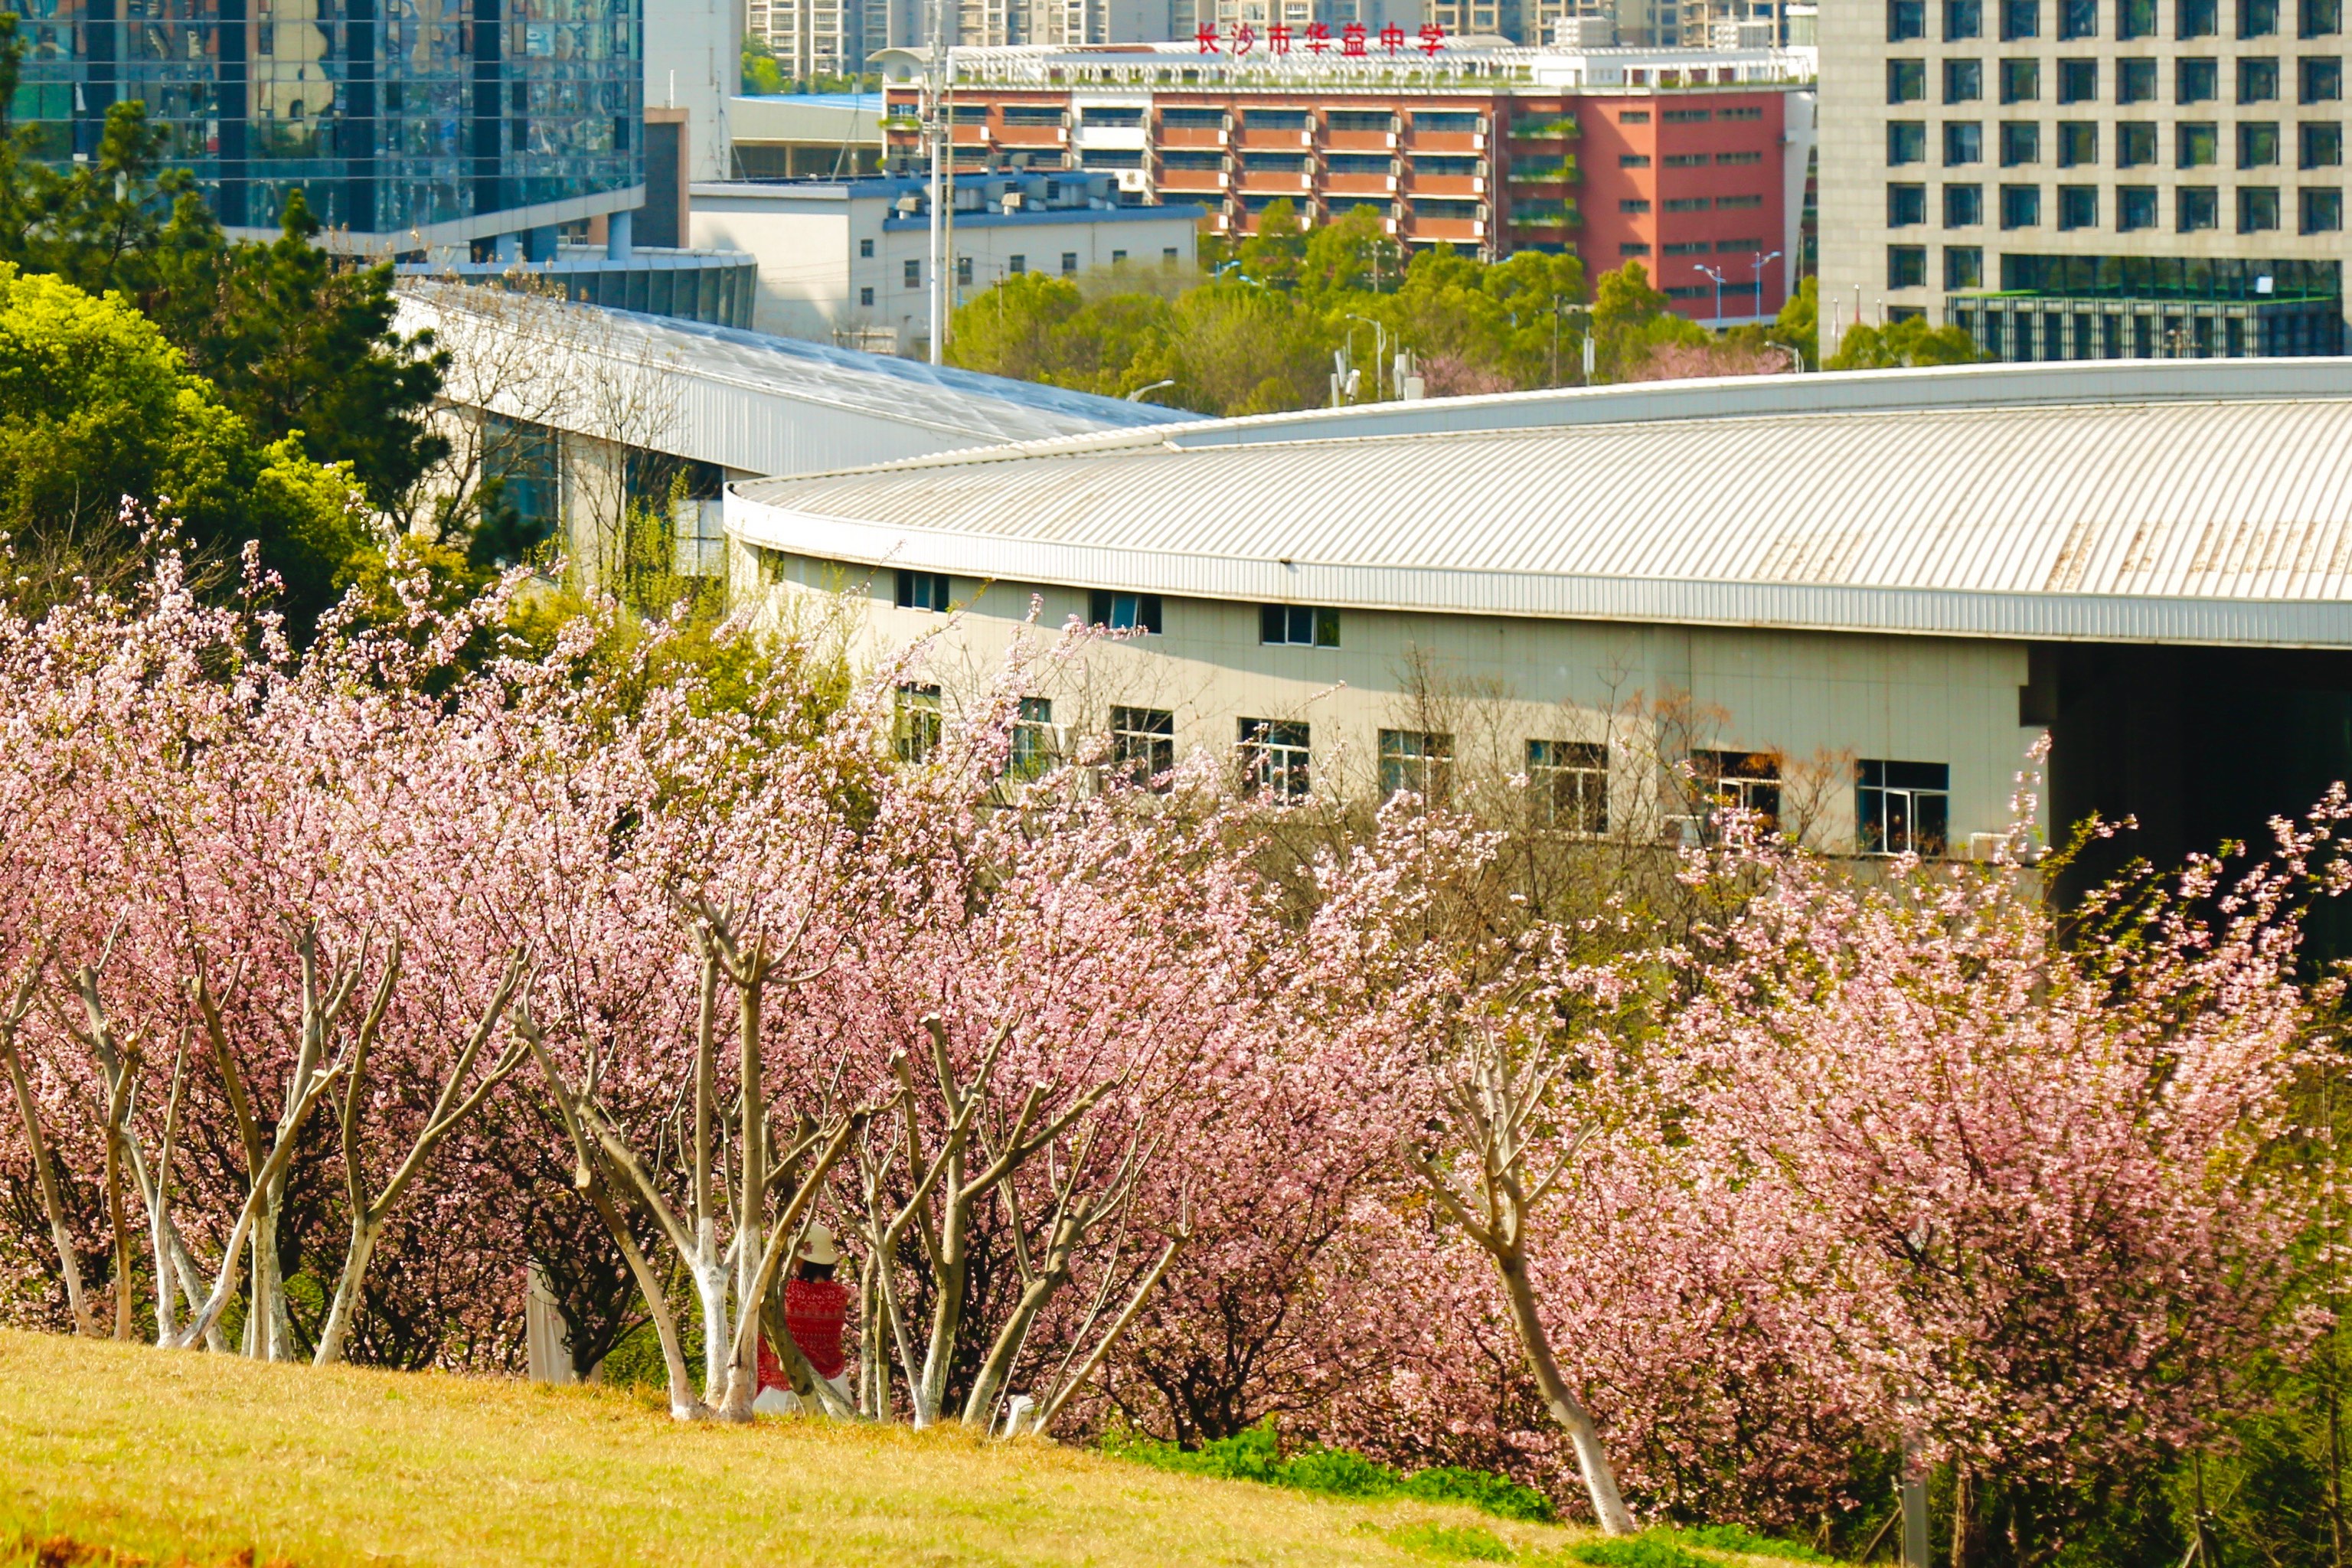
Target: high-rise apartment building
409, 125
2081, 179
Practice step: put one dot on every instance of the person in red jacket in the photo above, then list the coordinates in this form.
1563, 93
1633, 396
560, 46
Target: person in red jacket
816, 1311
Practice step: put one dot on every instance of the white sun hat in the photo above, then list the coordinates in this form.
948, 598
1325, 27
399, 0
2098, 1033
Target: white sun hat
819, 1247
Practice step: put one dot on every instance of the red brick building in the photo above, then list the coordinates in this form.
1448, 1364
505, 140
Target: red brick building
1676, 159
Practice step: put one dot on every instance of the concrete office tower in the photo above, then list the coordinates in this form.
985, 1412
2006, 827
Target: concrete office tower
409, 125
2084, 179
693, 66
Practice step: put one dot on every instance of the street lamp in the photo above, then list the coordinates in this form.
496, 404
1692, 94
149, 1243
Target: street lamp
1762, 261
1380, 350
1711, 272
1136, 396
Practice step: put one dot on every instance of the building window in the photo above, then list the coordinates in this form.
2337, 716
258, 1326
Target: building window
1907, 82
1124, 612
2021, 81
2078, 18
2322, 144
1417, 760
1568, 785
917, 722
2020, 143
1907, 142
2197, 18
2258, 79
1275, 758
2078, 206
1641, 160
1906, 206
1298, 626
1963, 19
1906, 267
1069, 264
2319, 18
1963, 206
2136, 143
865, 250
914, 274
2196, 208
2197, 145
1963, 143
1902, 808
1016, 266
2135, 81
2134, 18
2322, 211
1035, 748
2078, 81
2320, 79
1745, 782
1168, 257
2020, 207
922, 590
2196, 82
2258, 209
1119, 258
1906, 20
1963, 268
865, 296
1634, 247
1143, 743
2257, 18
963, 271
1633, 207
2134, 207
2078, 144
2020, 19
2258, 143
1963, 81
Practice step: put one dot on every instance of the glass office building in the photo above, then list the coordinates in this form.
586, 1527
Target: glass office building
413, 123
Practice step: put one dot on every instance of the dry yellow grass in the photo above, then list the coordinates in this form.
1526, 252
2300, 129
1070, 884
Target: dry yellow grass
206, 1459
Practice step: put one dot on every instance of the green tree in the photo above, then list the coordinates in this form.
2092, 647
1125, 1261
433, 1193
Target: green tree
1276, 253
1799, 324
1350, 254
1909, 341
98, 411
1014, 328
300, 343
1631, 320
762, 77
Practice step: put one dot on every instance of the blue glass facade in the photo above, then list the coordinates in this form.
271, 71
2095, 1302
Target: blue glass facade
391, 115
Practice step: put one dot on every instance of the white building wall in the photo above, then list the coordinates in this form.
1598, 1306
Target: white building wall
1822, 700
817, 282
694, 61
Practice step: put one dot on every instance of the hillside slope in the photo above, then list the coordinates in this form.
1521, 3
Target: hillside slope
172, 1456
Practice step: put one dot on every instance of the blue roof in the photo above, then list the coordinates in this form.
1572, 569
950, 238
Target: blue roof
821, 99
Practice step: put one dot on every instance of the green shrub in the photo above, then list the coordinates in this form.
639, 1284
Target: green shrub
1481, 1490
1739, 1537
1256, 1455
1653, 1550
1342, 1474
1453, 1540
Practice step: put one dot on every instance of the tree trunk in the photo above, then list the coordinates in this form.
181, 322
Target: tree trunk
52, 1200
752, 1206
1592, 1455
346, 1304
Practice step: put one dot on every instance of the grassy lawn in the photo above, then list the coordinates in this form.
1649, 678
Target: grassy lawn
208, 1459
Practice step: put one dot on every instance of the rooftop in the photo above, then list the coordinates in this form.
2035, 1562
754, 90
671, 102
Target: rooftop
767, 404
2193, 501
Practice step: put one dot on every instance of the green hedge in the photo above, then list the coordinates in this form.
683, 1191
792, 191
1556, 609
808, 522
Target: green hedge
1256, 1455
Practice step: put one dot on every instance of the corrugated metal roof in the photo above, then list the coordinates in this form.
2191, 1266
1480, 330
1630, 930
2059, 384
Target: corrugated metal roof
2216, 508
766, 404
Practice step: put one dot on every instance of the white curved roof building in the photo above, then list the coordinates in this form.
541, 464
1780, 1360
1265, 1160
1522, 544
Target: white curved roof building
1855, 569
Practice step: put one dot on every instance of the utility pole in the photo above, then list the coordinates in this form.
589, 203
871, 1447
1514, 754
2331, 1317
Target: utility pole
936, 103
